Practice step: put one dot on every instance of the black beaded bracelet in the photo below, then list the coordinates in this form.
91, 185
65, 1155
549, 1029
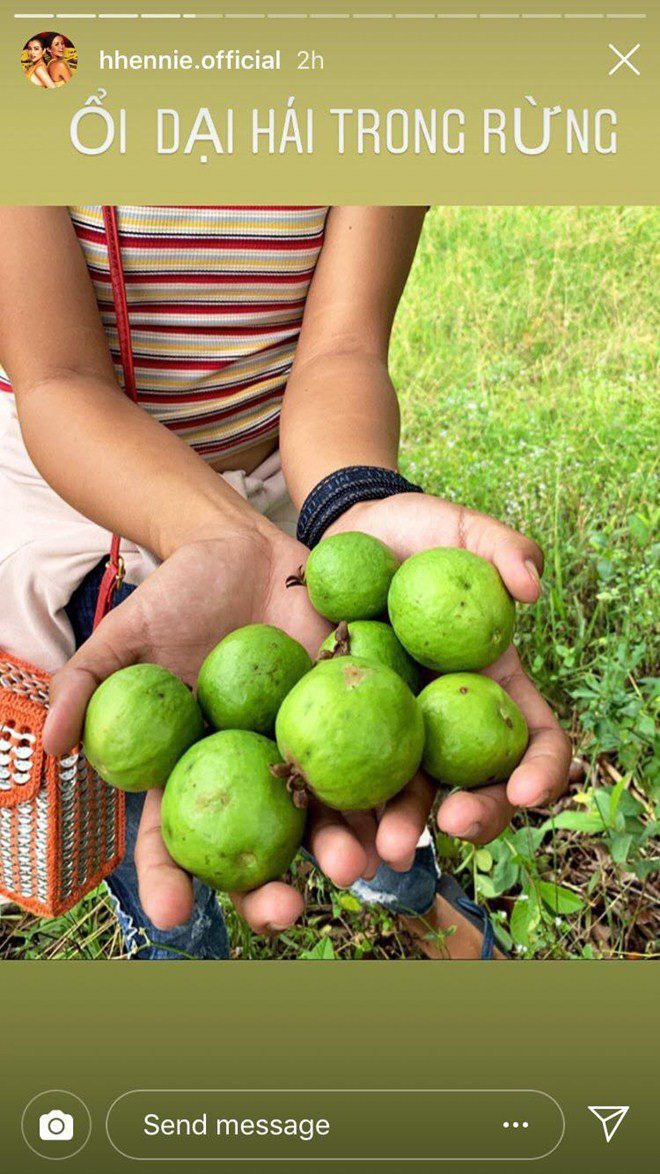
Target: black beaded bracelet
340, 490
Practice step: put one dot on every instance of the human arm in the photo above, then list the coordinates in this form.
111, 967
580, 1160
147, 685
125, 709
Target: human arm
100, 452
224, 566
340, 410
59, 71
340, 407
42, 73
410, 523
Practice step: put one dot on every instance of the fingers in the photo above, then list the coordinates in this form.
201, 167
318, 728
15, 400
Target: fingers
482, 815
518, 559
71, 687
363, 824
337, 847
477, 816
403, 822
542, 774
271, 909
70, 691
166, 892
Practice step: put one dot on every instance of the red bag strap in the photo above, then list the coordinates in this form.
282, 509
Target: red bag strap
114, 572
119, 298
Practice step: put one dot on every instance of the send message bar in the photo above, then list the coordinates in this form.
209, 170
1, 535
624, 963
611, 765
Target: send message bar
385, 1125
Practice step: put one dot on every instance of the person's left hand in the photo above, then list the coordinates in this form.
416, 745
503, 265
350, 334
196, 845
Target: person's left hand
411, 522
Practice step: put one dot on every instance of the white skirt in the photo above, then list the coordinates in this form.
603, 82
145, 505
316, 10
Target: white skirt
47, 548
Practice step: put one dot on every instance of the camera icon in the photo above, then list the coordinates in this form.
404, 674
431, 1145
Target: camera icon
56, 1126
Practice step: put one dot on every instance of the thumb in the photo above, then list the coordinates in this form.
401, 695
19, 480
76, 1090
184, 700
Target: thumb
107, 650
518, 559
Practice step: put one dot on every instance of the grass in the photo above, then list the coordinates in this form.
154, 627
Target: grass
524, 353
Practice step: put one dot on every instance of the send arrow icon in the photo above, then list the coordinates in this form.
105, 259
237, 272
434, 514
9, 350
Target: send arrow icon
610, 1117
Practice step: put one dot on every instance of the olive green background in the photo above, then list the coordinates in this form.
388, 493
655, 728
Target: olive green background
379, 63
584, 1034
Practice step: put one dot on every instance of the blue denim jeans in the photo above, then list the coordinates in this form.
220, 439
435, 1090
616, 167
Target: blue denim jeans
204, 936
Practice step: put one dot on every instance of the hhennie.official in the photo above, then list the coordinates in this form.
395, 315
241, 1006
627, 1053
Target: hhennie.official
230, 59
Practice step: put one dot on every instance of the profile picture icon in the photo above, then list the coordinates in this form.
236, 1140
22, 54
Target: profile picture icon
49, 60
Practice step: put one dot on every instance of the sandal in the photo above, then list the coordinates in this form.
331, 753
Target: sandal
450, 890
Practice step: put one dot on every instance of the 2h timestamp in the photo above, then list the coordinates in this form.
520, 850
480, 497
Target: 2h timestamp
309, 59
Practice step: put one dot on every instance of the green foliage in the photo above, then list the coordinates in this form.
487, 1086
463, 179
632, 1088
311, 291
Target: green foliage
88, 932
525, 355
323, 951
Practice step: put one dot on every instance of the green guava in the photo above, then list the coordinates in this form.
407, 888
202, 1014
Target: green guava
475, 733
226, 818
351, 732
372, 640
348, 576
451, 610
138, 723
244, 680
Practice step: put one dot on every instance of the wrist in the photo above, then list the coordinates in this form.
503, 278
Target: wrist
212, 521
351, 519
342, 491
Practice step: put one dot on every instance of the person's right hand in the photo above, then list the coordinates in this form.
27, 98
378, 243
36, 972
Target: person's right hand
200, 593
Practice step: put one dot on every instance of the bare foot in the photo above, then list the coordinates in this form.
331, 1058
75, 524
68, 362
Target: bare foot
443, 933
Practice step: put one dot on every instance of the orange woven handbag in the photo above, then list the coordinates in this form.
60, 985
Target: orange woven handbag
61, 826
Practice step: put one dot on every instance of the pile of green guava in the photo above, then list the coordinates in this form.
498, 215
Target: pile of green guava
269, 729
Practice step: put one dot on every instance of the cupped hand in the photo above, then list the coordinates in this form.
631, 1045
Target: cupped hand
208, 588
199, 594
411, 522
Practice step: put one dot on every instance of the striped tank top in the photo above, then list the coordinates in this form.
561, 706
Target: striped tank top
215, 299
